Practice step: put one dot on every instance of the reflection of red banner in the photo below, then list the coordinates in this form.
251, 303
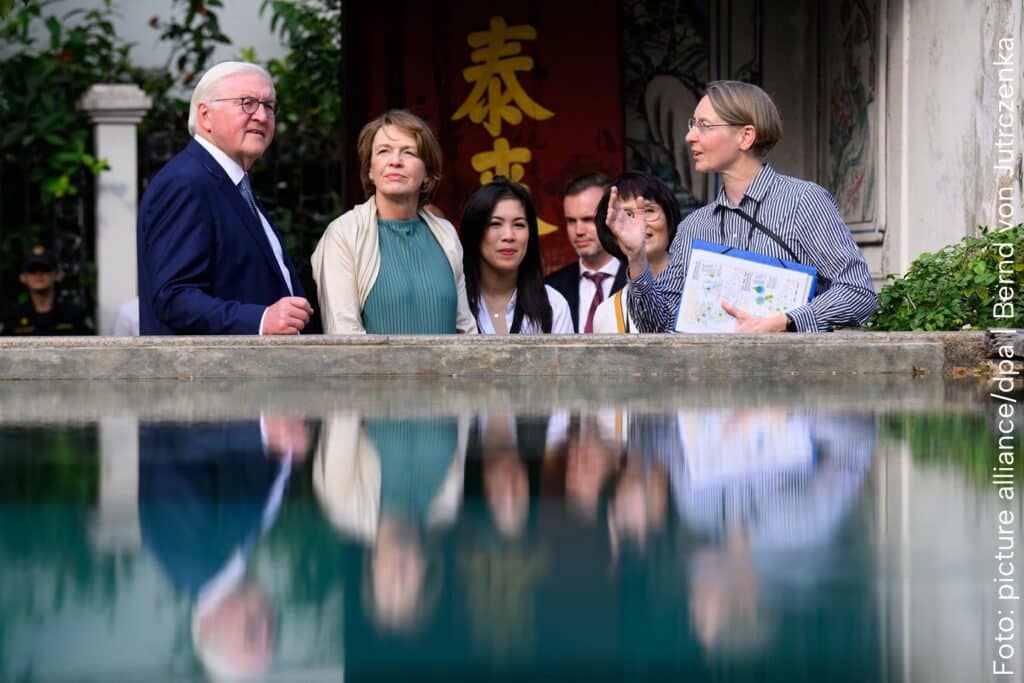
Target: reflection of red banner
416, 55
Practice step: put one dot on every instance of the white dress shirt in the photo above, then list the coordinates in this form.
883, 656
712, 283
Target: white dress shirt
561, 320
588, 289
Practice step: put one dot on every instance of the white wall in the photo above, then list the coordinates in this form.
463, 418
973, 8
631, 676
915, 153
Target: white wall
940, 606
942, 112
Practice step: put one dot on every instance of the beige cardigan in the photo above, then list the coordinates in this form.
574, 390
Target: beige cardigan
347, 478
346, 263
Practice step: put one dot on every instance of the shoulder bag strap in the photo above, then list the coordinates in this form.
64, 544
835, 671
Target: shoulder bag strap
620, 320
775, 238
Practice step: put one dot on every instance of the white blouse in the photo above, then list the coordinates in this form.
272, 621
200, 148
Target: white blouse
561, 319
604, 317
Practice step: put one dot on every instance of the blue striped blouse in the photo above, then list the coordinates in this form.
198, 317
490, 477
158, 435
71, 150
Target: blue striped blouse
800, 212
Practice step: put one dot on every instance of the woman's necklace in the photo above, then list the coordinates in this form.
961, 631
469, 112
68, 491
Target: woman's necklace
498, 306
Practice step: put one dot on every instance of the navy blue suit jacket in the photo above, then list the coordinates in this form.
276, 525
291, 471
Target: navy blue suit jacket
203, 489
205, 264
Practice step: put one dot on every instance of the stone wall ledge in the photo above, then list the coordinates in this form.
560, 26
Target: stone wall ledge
841, 354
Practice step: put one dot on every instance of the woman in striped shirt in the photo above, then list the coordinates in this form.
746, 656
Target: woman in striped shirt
504, 276
389, 266
757, 209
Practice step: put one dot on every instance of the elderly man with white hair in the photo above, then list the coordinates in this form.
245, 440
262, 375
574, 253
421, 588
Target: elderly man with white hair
210, 260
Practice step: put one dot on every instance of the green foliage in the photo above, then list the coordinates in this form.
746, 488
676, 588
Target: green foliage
961, 442
956, 287
55, 56
193, 31
41, 84
307, 78
45, 141
308, 136
193, 37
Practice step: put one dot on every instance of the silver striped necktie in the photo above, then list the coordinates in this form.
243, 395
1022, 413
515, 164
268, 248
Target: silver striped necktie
246, 189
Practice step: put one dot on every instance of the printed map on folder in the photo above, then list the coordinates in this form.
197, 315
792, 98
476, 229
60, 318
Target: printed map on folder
758, 284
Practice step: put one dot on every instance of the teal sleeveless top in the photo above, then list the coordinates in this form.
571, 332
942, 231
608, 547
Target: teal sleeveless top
415, 288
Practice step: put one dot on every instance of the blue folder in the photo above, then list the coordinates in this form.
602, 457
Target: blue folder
761, 258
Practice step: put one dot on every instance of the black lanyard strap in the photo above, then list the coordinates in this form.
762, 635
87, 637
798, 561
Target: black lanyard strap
754, 223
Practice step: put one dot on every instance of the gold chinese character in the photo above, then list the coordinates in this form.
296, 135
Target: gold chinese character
497, 67
503, 159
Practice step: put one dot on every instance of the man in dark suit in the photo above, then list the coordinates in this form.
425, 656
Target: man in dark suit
596, 276
207, 493
210, 261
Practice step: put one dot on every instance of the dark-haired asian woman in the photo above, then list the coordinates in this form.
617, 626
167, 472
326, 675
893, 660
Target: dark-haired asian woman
501, 260
661, 218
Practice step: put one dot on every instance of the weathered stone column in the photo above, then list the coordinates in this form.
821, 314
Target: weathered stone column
115, 526
115, 110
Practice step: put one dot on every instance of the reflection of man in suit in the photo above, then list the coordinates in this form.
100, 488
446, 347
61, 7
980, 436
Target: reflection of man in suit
210, 262
207, 493
596, 276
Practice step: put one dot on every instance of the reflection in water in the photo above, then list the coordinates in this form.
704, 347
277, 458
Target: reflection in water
387, 483
207, 494
760, 487
731, 544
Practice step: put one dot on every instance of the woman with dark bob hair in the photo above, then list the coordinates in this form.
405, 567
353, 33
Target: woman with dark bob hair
733, 128
504, 276
661, 216
389, 266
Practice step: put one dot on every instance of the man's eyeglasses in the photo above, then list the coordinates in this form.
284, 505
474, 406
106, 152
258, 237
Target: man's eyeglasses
703, 127
651, 213
250, 104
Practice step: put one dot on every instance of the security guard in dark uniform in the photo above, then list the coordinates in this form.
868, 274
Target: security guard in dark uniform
42, 314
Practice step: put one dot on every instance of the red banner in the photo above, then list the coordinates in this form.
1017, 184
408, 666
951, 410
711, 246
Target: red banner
526, 90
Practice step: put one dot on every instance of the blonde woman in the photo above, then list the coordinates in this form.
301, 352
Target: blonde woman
389, 266
733, 128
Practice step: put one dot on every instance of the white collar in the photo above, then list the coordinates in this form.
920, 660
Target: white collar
230, 166
224, 582
611, 268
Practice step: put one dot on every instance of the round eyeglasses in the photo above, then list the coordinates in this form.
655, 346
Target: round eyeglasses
250, 104
703, 127
651, 213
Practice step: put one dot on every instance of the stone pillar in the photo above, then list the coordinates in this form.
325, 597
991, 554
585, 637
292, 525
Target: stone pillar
115, 110
115, 526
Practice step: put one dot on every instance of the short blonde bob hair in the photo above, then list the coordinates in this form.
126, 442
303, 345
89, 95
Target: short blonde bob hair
745, 104
427, 147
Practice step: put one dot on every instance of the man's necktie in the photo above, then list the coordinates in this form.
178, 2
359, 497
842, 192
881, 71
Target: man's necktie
246, 189
597, 279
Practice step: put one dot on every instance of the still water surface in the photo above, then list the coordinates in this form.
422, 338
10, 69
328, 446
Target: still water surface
451, 531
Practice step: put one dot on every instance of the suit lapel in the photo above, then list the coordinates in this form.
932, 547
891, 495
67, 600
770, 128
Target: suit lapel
620, 278
574, 298
233, 198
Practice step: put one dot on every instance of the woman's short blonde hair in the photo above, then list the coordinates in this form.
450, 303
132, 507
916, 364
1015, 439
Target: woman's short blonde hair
745, 104
427, 147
